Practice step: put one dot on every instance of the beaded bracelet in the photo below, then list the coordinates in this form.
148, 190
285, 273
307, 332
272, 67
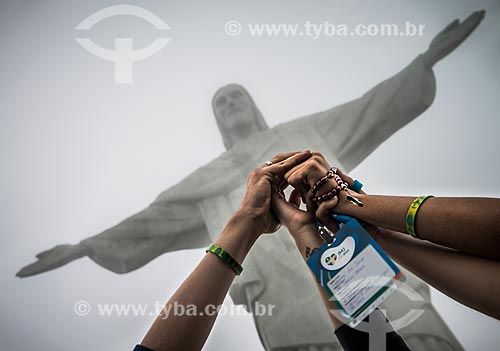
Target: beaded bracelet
412, 213
321, 182
225, 257
340, 182
327, 196
341, 185
332, 172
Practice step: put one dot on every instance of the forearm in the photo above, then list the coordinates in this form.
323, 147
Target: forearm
456, 274
451, 222
206, 286
307, 241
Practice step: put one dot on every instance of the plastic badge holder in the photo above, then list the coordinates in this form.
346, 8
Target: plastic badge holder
355, 272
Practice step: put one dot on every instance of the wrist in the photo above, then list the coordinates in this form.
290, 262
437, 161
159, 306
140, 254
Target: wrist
238, 236
429, 62
307, 241
346, 207
305, 231
249, 221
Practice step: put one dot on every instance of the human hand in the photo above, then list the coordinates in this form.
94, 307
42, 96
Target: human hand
331, 191
451, 37
256, 205
338, 205
306, 175
289, 213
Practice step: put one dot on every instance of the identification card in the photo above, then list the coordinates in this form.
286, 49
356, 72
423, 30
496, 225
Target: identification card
355, 272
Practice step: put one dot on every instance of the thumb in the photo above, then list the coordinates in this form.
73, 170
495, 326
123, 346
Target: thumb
278, 204
295, 198
453, 24
323, 214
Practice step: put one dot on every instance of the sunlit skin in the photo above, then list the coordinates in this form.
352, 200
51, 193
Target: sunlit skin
464, 269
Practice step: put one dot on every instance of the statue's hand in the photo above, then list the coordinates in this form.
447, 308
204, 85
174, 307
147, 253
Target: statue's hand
451, 37
51, 259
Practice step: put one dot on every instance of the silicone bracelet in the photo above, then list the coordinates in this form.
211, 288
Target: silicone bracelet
226, 258
412, 214
356, 186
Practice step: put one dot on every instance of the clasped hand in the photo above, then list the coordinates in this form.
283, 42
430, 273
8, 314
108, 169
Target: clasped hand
265, 202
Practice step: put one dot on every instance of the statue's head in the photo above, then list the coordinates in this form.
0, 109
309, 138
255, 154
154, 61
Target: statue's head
237, 115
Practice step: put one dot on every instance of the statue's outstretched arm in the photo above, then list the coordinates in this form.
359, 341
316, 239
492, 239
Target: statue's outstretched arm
129, 245
355, 129
174, 221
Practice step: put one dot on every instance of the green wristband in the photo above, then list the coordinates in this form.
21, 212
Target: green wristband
226, 258
412, 214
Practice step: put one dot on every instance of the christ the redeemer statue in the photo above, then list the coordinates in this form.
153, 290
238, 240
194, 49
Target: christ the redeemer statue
192, 213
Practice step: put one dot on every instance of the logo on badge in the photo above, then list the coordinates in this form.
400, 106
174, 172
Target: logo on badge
337, 257
330, 260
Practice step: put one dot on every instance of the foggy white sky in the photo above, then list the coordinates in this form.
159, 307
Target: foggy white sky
80, 153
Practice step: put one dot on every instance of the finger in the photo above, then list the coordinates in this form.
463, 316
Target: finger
295, 198
283, 184
310, 204
345, 177
323, 213
42, 254
296, 180
283, 156
303, 196
32, 269
297, 170
281, 209
283, 166
476, 16
297, 175
315, 167
471, 22
450, 26
280, 157
277, 202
